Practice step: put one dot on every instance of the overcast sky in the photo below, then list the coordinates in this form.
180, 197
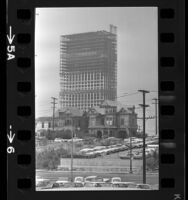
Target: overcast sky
137, 51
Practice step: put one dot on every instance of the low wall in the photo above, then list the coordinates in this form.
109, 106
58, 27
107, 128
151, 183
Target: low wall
100, 164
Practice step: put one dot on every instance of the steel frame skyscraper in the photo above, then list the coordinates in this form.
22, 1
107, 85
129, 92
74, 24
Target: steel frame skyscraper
88, 68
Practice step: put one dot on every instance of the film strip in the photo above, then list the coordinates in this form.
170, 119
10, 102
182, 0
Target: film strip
21, 97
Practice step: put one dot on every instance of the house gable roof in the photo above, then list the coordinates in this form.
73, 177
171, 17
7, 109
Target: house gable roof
44, 119
97, 110
118, 105
73, 111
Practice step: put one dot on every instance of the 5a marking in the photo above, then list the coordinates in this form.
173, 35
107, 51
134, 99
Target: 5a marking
10, 136
10, 47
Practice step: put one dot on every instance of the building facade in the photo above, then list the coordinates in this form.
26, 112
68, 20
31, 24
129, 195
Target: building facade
112, 119
65, 119
45, 123
88, 68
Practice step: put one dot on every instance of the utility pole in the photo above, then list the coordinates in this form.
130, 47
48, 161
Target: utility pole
72, 134
156, 115
131, 157
144, 133
53, 103
72, 146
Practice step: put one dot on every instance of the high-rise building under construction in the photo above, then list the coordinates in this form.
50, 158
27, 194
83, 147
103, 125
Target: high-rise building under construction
88, 68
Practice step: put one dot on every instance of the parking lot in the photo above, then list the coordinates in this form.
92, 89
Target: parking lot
54, 176
107, 164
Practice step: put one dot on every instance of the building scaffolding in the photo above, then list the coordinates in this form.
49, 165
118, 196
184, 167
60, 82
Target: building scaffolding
88, 68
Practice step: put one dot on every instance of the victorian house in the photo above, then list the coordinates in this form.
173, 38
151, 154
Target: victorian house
69, 118
112, 119
109, 119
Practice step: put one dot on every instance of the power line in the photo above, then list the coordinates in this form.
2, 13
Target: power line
154, 91
127, 94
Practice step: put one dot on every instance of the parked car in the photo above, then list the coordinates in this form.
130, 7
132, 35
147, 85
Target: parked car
58, 140
55, 185
79, 181
78, 184
119, 185
144, 186
40, 182
116, 180
126, 156
63, 181
93, 179
50, 185
124, 184
98, 184
106, 180
89, 184
65, 184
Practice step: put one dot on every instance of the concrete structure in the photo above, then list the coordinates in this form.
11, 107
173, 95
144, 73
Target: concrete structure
102, 164
88, 68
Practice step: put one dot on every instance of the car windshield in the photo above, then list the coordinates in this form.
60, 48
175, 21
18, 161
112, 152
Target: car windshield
78, 179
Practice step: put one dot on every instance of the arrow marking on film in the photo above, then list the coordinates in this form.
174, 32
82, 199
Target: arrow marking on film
10, 136
10, 37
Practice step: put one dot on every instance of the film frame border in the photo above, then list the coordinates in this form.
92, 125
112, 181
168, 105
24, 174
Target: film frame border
21, 164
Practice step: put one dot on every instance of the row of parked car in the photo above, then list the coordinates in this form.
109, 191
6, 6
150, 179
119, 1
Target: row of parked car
90, 181
98, 151
101, 150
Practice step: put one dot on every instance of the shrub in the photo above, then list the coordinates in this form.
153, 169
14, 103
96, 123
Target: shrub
49, 159
106, 142
152, 162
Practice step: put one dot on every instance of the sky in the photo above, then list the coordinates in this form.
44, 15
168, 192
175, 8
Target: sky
137, 52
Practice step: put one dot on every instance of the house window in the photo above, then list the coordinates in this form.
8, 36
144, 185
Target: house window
109, 121
93, 122
122, 121
49, 125
68, 122
42, 124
